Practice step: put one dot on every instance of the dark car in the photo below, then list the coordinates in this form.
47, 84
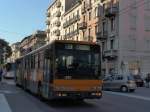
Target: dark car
138, 80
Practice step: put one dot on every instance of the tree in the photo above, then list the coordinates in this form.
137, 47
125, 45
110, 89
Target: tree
4, 49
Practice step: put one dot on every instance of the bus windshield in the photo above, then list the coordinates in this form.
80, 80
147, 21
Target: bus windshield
77, 64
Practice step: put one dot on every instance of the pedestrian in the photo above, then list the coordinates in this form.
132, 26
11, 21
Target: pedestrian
147, 80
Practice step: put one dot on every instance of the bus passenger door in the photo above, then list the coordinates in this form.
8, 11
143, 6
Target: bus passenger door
47, 77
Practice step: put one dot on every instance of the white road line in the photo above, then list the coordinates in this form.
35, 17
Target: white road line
129, 95
4, 106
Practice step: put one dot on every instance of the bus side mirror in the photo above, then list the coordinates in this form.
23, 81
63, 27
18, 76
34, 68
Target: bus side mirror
48, 54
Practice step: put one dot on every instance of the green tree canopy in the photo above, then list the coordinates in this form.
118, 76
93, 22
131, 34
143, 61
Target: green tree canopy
4, 48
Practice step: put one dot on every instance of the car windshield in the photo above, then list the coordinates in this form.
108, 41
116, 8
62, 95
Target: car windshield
77, 64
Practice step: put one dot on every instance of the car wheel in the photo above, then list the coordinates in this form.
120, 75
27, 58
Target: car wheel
124, 89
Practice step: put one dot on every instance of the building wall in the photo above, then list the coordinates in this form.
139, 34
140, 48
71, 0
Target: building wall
71, 19
131, 38
68, 8
135, 41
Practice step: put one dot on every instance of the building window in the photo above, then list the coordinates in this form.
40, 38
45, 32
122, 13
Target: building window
147, 23
96, 12
84, 18
147, 4
112, 24
89, 32
89, 16
111, 44
96, 29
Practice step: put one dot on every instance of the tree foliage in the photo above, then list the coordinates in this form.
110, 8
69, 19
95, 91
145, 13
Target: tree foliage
4, 47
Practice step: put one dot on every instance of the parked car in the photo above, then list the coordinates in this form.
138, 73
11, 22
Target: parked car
138, 80
123, 83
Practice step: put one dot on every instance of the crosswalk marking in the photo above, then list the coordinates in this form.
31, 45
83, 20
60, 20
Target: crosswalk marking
4, 106
129, 95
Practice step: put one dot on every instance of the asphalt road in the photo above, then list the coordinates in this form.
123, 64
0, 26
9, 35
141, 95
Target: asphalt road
13, 99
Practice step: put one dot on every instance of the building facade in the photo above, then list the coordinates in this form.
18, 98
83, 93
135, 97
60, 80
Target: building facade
32, 42
79, 20
15, 52
126, 28
55, 18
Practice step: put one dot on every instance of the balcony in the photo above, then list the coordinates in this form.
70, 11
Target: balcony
82, 25
100, 36
58, 4
57, 32
48, 30
58, 23
66, 24
47, 22
74, 19
111, 54
89, 6
73, 33
105, 34
48, 14
111, 12
83, 10
58, 13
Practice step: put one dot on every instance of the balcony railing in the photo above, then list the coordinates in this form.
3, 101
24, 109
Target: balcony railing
83, 10
58, 23
48, 14
71, 21
111, 54
48, 30
82, 25
71, 34
57, 32
58, 13
110, 12
89, 6
58, 4
66, 24
100, 36
74, 19
47, 22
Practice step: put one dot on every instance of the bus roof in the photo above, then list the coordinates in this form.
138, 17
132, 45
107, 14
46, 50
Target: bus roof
60, 41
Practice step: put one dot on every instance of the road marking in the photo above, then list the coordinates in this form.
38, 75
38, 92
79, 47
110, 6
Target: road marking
4, 106
129, 95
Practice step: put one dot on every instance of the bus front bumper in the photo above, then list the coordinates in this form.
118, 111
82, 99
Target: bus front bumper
78, 95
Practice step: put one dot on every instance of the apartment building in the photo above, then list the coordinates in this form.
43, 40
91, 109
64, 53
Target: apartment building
15, 52
90, 23
55, 18
71, 19
79, 20
32, 42
126, 33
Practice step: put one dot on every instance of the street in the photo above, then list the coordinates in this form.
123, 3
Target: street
14, 99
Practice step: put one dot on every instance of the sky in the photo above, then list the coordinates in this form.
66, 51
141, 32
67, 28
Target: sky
20, 18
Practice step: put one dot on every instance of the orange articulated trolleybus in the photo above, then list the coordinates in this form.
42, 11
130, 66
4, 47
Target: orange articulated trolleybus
62, 69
